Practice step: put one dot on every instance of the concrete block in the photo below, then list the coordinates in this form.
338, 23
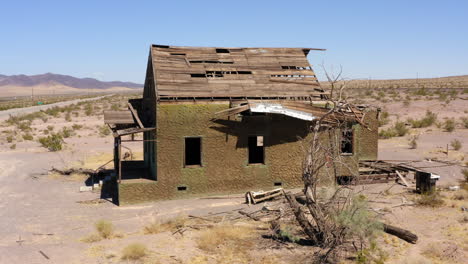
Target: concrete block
86, 188
96, 185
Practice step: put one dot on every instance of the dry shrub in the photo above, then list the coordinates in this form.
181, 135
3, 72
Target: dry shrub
431, 199
227, 236
460, 195
456, 144
445, 252
105, 229
413, 142
134, 251
91, 238
158, 226
449, 125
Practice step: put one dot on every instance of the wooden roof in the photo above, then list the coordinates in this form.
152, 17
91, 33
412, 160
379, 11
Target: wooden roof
194, 72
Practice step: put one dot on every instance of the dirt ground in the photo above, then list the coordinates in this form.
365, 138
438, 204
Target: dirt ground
46, 219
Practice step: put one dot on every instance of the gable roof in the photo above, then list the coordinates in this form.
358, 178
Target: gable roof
230, 72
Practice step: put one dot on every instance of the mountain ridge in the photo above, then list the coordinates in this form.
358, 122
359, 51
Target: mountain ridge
60, 79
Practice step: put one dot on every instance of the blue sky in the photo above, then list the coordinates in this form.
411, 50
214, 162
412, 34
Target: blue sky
109, 40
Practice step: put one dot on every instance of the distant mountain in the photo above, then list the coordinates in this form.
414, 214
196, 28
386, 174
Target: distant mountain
58, 79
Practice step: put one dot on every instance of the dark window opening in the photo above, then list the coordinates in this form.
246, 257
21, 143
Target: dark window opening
256, 150
244, 72
198, 75
181, 188
161, 46
182, 54
294, 68
192, 151
222, 51
347, 141
278, 184
211, 62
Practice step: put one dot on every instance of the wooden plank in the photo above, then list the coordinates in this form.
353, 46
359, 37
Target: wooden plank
118, 117
402, 178
135, 115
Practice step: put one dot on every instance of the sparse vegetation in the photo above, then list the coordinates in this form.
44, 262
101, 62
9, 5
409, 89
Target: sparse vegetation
431, 199
134, 251
449, 125
28, 136
104, 131
156, 227
105, 229
398, 130
13, 146
428, 120
464, 122
413, 142
67, 132
456, 144
53, 142
9, 138
224, 236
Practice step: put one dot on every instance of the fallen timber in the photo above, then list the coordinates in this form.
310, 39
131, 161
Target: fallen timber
401, 233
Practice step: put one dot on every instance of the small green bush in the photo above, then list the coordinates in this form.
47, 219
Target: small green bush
456, 144
105, 229
88, 109
53, 142
387, 133
13, 146
50, 127
28, 136
134, 251
449, 125
104, 130
426, 121
68, 117
67, 132
464, 121
9, 138
77, 127
431, 199
401, 129
24, 125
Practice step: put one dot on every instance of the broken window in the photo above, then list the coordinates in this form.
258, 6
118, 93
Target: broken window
347, 140
217, 74
193, 151
222, 51
211, 62
256, 150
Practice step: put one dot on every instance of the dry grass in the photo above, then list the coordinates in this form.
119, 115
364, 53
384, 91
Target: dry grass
433, 199
225, 236
134, 251
105, 229
158, 226
91, 238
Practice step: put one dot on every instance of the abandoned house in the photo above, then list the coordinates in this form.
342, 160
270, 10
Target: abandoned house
226, 120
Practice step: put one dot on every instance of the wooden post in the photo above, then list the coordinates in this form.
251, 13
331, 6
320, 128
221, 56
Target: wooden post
119, 156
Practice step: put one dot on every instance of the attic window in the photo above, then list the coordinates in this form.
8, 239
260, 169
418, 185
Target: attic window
347, 140
256, 150
193, 151
198, 75
222, 51
181, 54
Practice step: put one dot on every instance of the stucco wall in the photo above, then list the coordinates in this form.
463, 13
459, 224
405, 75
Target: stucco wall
225, 167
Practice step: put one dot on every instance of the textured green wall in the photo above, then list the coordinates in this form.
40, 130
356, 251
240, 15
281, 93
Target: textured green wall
225, 167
